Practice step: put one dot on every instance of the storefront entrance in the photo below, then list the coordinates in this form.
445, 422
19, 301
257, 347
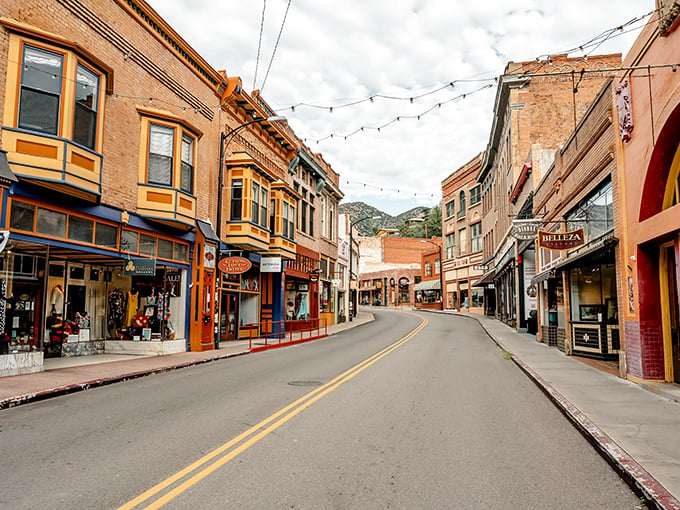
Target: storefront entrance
228, 315
670, 311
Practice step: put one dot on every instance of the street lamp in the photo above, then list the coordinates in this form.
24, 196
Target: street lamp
441, 271
225, 140
351, 246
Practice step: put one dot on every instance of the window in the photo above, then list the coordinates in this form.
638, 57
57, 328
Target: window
51, 223
285, 219
236, 198
595, 213
41, 80
187, 177
147, 245
428, 268
106, 236
311, 221
291, 223
461, 204
477, 297
330, 223
255, 203
22, 216
165, 249
476, 237
303, 217
129, 241
462, 239
86, 101
272, 216
475, 195
450, 208
437, 266
161, 142
263, 207
450, 245
80, 229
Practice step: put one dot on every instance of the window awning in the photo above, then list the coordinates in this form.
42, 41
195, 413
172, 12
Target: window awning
486, 279
591, 253
6, 174
428, 285
545, 275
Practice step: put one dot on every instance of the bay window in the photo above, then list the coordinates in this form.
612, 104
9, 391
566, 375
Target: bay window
40, 98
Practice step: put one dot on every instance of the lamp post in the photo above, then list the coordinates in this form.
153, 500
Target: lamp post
351, 247
441, 271
225, 140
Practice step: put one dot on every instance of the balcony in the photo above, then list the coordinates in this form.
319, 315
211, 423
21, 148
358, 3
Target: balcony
163, 204
54, 163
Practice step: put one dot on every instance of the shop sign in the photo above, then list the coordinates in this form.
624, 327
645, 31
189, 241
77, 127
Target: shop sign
403, 281
481, 267
270, 265
559, 241
313, 277
209, 256
173, 275
139, 267
524, 230
234, 265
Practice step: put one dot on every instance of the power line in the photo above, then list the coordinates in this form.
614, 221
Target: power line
259, 43
276, 45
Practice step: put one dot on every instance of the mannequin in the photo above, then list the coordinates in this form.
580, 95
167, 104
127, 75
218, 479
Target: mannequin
57, 299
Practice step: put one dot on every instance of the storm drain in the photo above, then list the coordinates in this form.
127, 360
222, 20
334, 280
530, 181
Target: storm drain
305, 383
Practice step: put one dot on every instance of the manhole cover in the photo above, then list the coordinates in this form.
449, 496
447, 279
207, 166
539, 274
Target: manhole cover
305, 383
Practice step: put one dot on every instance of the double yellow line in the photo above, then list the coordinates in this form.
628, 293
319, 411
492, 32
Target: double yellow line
223, 454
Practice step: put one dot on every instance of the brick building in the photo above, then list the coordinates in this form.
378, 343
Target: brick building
648, 99
578, 288
537, 105
462, 232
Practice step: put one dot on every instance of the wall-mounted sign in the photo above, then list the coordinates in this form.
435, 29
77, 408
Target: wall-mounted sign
234, 265
313, 277
561, 240
270, 265
481, 267
209, 256
139, 267
403, 281
524, 230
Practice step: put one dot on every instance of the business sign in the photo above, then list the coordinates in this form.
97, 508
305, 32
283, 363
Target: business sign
559, 241
270, 265
139, 267
234, 265
209, 256
403, 281
524, 230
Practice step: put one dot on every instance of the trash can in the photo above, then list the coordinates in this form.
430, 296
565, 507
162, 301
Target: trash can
532, 322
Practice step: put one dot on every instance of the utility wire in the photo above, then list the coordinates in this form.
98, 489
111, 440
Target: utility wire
259, 43
276, 46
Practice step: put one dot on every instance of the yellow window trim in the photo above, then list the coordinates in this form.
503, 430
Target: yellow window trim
56, 40
170, 118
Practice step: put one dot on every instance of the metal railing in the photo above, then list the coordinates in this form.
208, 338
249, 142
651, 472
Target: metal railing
268, 334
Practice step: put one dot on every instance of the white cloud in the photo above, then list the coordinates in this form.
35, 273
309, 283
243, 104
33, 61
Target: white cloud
331, 53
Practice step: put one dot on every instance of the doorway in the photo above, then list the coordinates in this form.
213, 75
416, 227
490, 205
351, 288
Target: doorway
228, 315
670, 307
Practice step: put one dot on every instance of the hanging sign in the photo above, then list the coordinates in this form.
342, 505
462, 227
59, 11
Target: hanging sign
139, 267
313, 277
270, 265
558, 241
209, 256
234, 265
524, 230
4, 236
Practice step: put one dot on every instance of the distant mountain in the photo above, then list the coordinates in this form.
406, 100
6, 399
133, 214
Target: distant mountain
358, 210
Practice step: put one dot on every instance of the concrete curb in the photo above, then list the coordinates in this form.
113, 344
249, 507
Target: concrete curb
73, 388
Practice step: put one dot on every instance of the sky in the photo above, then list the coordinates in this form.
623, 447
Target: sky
428, 65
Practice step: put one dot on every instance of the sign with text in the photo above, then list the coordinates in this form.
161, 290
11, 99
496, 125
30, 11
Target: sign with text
524, 230
234, 265
561, 240
139, 267
270, 265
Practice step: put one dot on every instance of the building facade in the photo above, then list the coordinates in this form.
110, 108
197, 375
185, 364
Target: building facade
462, 245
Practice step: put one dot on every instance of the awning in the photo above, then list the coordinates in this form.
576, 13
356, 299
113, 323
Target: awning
6, 174
545, 275
486, 279
207, 231
591, 253
428, 285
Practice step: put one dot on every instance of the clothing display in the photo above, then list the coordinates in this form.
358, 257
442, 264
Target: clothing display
57, 299
116, 309
3, 304
131, 307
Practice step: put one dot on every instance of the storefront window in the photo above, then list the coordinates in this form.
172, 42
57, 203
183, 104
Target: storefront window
181, 252
164, 249
80, 229
22, 216
477, 296
595, 214
129, 241
147, 245
593, 293
51, 223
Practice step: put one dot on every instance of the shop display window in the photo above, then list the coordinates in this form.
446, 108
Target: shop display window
593, 293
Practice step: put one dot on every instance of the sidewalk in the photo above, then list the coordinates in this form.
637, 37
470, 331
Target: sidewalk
68, 375
635, 427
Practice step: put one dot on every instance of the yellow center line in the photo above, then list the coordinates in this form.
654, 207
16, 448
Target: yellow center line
265, 427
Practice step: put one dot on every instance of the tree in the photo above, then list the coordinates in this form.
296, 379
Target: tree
429, 225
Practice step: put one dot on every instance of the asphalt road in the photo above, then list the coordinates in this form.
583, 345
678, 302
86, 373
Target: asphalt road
376, 417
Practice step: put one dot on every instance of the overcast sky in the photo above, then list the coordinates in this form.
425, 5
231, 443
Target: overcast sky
332, 53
